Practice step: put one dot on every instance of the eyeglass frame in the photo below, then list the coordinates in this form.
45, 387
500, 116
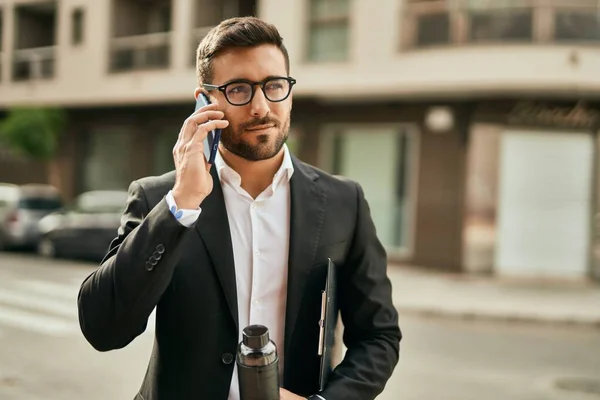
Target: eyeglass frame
223, 88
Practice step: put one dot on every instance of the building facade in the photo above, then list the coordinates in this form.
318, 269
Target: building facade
471, 124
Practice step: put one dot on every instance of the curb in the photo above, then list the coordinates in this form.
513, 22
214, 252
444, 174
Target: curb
515, 318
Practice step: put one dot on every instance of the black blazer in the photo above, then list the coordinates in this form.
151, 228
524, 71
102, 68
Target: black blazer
188, 274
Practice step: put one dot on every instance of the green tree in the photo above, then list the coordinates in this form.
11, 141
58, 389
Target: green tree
34, 133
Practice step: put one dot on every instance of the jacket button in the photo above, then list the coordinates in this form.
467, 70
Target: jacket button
227, 358
160, 249
149, 266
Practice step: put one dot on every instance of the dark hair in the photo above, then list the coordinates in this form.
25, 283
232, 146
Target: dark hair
231, 33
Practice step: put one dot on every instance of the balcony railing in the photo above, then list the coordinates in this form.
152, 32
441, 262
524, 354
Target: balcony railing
33, 64
142, 52
458, 22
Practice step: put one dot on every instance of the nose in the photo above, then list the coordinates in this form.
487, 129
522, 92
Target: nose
259, 104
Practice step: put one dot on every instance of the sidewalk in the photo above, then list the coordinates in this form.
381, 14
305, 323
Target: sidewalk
423, 292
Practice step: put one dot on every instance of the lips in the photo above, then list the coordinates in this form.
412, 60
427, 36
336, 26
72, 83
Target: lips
260, 127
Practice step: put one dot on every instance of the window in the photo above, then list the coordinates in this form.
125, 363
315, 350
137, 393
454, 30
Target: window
77, 26
428, 23
387, 183
107, 159
329, 30
163, 150
457, 22
34, 55
159, 18
433, 29
577, 25
141, 36
507, 20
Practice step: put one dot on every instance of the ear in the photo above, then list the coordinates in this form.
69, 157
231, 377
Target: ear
197, 92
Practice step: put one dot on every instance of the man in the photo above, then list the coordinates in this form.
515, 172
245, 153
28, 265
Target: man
246, 241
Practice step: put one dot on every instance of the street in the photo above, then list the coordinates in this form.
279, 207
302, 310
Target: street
44, 356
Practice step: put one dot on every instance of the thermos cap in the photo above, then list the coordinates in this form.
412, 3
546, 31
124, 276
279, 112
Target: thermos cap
255, 336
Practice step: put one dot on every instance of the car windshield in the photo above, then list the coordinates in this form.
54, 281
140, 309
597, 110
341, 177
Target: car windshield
39, 203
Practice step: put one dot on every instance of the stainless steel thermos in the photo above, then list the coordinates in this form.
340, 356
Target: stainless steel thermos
257, 364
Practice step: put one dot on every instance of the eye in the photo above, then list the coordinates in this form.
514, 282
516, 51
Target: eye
238, 88
275, 85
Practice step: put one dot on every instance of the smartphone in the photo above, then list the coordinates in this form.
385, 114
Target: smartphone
211, 143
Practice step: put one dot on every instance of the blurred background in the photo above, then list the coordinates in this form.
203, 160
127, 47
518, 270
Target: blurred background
472, 126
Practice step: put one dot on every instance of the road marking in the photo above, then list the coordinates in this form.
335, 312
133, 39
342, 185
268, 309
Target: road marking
47, 305
43, 307
54, 289
35, 322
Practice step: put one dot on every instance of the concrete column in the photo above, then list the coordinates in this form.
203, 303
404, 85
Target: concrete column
595, 223
181, 40
8, 41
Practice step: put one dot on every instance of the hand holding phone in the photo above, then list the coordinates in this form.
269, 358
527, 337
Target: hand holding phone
211, 143
199, 135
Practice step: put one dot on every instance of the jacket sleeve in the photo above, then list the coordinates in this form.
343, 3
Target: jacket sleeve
371, 331
116, 300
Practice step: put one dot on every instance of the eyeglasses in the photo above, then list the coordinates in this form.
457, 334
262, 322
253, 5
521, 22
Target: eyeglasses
241, 91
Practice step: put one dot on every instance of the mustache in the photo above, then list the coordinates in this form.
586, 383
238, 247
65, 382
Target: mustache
258, 122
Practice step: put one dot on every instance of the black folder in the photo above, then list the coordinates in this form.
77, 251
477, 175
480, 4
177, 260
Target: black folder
327, 324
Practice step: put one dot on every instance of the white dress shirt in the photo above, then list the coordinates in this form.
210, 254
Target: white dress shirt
260, 232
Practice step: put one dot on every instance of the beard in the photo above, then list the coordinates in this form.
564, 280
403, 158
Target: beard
268, 146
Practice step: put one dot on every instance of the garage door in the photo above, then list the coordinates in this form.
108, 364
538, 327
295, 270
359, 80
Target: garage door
544, 204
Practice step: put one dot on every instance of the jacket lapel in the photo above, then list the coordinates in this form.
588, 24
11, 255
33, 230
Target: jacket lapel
306, 220
213, 227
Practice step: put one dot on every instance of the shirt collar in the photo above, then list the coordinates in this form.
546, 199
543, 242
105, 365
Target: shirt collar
227, 173
287, 166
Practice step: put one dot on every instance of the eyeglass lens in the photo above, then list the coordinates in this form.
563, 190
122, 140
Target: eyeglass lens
241, 92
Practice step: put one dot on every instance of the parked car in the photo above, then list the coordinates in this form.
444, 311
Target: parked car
21, 208
85, 229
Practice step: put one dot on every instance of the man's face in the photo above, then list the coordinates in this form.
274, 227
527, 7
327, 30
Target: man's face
257, 130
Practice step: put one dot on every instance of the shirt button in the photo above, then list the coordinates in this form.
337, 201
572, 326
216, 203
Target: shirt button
255, 303
254, 206
257, 253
